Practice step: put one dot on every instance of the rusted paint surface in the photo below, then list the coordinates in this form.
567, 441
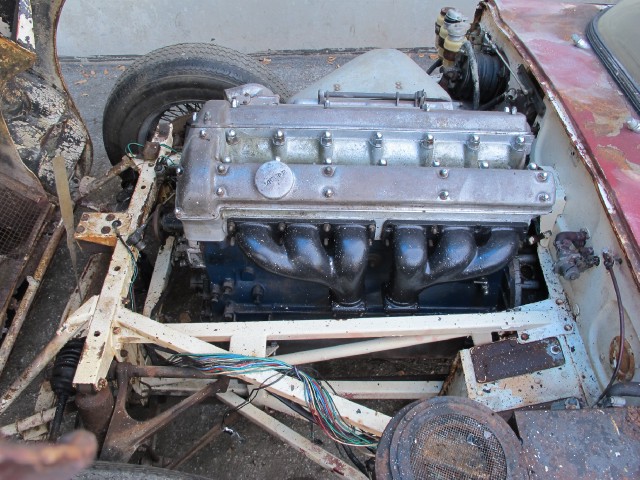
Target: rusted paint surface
588, 101
99, 228
509, 358
588, 444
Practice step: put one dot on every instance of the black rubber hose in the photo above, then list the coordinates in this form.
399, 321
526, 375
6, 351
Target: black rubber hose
355, 460
467, 48
492, 103
54, 429
625, 389
609, 262
434, 65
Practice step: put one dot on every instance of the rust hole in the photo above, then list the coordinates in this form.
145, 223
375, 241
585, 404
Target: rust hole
627, 367
96, 333
116, 268
143, 187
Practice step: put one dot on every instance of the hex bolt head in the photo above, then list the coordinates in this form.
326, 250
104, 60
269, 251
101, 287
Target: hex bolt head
207, 117
633, 124
328, 192
327, 139
519, 141
328, 161
524, 336
383, 162
532, 166
220, 191
278, 137
484, 164
179, 171
427, 141
221, 169
376, 140
436, 163
474, 140
232, 137
579, 42
203, 133
542, 176
226, 160
328, 170
443, 195
443, 173
544, 197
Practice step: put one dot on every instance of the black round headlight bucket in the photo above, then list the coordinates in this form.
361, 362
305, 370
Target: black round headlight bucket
448, 438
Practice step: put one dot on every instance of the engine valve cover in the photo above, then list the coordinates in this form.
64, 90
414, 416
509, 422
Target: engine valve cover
370, 164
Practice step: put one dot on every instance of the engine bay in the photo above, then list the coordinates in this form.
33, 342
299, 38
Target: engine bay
383, 211
359, 204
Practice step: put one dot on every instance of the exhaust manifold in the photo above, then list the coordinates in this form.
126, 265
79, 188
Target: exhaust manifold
457, 256
302, 256
299, 253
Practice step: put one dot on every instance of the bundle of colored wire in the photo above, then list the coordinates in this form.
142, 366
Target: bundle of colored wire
318, 399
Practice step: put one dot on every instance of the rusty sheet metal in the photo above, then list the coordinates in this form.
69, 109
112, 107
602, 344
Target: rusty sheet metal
14, 59
22, 216
586, 444
588, 101
98, 227
509, 358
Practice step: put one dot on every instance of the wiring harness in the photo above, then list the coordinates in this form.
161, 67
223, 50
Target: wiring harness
319, 401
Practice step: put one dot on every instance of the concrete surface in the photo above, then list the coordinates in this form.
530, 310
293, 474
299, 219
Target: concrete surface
123, 27
258, 456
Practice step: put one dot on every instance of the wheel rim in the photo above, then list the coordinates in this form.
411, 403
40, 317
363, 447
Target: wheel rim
176, 113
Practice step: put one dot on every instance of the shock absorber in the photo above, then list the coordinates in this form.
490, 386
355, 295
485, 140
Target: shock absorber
64, 369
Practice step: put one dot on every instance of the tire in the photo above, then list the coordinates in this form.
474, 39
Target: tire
181, 76
125, 471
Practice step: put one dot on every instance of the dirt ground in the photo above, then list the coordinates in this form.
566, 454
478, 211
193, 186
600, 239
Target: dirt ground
253, 453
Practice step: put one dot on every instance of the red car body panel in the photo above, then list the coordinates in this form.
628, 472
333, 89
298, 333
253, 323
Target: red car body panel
589, 103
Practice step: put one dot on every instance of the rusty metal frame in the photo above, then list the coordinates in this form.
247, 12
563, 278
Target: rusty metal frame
115, 332
125, 434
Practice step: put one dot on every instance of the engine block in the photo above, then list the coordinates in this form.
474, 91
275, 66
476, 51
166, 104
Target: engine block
315, 192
